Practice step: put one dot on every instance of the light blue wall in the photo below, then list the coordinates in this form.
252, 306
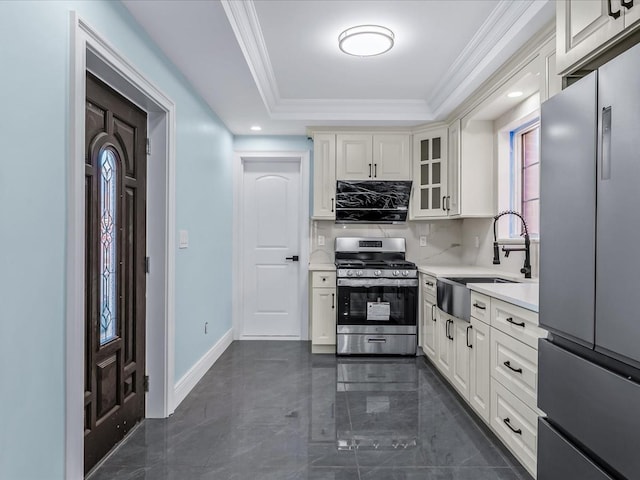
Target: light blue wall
34, 94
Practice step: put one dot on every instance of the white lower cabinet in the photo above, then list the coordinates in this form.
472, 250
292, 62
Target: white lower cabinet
444, 351
460, 331
492, 363
428, 327
480, 369
323, 312
516, 425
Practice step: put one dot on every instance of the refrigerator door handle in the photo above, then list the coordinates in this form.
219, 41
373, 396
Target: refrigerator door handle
606, 144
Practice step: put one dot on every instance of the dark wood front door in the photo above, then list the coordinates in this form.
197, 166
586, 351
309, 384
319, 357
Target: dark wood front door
115, 204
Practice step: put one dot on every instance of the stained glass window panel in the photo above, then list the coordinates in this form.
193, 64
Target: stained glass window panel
108, 259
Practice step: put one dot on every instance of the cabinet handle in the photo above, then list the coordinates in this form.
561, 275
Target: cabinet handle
433, 313
444, 208
507, 422
333, 300
429, 284
369, 170
449, 336
332, 202
375, 170
508, 365
606, 144
627, 4
480, 307
469, 344
610, 10
517, 324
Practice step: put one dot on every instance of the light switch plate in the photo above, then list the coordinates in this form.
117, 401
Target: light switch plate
183, 239
320, 240
423, 240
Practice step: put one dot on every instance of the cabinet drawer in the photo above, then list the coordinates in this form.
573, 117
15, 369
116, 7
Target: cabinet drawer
515, 424
480, 307
428, 284
515, 365
323, 279
520, 323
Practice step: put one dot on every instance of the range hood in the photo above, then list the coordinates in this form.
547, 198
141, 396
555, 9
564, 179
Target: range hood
372, 201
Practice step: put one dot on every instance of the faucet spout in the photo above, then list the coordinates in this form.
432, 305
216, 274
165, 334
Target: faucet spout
526, 268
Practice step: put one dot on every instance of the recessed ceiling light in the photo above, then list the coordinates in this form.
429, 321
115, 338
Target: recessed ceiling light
514, 94
256, 128
366, 40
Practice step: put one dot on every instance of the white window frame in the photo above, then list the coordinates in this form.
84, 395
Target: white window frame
515, 230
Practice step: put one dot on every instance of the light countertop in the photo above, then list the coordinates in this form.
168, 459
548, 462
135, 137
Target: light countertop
322, 267
524, 295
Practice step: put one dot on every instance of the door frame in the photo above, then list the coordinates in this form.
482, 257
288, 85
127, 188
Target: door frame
91, 51
240, 158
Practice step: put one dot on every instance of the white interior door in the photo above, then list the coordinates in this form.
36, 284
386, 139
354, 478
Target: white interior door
271, 210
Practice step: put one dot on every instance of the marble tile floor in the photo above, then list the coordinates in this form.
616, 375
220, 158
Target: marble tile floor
273, 411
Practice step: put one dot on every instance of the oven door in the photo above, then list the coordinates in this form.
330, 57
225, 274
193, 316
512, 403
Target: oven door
378, 302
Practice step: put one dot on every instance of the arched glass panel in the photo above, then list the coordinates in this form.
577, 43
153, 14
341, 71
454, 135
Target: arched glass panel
108, 259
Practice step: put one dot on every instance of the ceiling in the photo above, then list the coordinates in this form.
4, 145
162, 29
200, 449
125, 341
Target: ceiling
276, 63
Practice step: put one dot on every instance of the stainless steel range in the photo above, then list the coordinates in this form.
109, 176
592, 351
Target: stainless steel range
377, 292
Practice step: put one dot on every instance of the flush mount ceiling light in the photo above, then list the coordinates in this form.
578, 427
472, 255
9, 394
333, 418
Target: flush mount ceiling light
514, 94
366, 40
256, 128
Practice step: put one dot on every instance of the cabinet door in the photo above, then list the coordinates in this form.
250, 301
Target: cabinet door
323, 316
430, 174
444, 343
428, 336
354, 159
582, 28
631, 16
479, 369
391, 158
453, 170
461, 355
324, 176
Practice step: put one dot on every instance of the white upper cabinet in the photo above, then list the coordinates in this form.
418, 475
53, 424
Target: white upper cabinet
391, 157
585, 28
453, 170
324, 176
429, 173
373, 157
354, 160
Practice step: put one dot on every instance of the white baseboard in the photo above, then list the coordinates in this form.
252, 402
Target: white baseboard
202, 366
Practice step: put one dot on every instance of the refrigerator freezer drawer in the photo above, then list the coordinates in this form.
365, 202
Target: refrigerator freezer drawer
558, 459
596, 406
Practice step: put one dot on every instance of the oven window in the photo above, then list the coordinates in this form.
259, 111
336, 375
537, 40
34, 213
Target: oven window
377, 305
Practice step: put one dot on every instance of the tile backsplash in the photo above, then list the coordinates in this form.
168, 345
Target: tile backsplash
444, 239
449, 242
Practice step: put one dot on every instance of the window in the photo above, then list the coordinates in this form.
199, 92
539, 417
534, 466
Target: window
525, 178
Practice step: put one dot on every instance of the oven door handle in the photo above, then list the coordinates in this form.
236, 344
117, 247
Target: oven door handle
376, 340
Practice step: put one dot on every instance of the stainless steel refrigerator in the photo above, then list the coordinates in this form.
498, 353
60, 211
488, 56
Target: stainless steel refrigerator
589, 368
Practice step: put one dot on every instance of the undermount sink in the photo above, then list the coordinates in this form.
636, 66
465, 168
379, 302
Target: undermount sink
454, 297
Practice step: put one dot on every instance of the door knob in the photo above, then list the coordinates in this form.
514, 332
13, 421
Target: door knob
293, 258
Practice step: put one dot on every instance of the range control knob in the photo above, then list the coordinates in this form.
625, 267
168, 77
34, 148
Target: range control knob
359, 273
377, 273
349, 273
396, 273
405, 273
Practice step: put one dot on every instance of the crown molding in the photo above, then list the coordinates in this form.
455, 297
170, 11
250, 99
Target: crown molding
243, 18
486, 45
490, 40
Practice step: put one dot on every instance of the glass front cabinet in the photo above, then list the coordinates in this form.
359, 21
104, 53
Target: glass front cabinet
430, 196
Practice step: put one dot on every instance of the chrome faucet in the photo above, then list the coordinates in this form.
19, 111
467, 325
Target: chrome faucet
526, 268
